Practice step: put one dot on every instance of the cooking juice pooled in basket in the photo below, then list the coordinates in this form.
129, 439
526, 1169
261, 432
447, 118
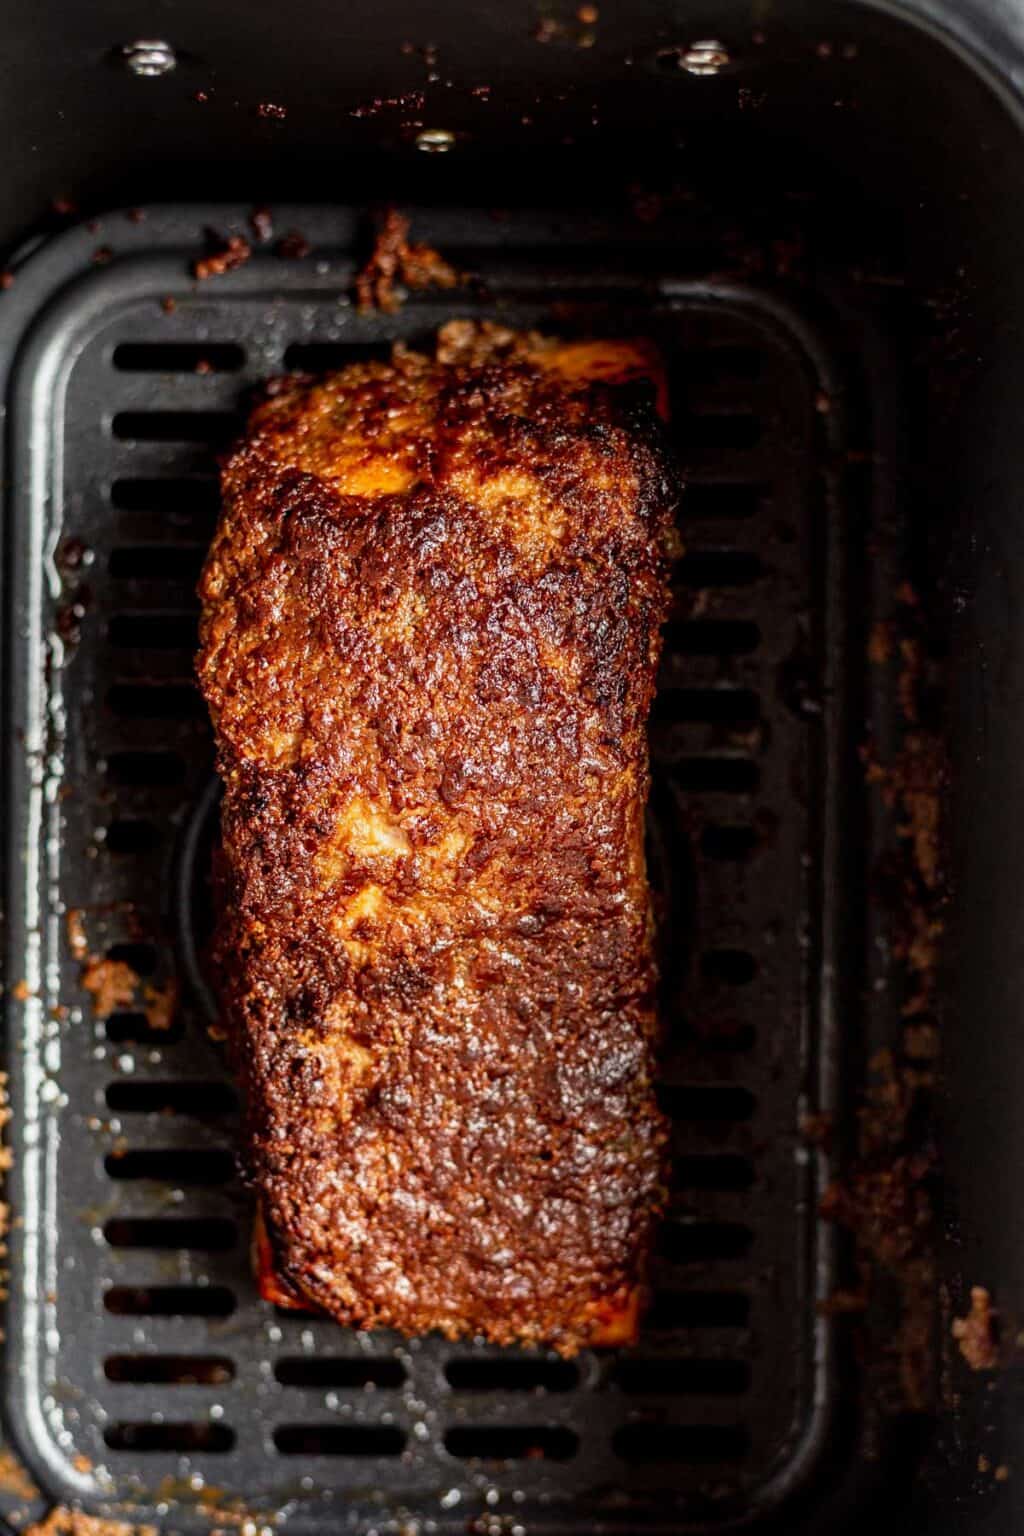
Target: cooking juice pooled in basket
430, 630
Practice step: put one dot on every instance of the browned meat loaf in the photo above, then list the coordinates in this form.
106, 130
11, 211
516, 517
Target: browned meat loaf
430, 630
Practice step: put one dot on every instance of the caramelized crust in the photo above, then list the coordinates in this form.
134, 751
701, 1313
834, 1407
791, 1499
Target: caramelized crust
430, 629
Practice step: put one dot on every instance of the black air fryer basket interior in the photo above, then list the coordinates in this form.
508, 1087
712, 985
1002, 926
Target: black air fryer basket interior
813, 209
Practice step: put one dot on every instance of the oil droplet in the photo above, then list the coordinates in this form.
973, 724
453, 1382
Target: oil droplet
705, 57
435, 141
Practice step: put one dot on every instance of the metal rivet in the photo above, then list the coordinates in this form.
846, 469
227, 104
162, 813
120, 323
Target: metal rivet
435, 141
149, 56
706, 57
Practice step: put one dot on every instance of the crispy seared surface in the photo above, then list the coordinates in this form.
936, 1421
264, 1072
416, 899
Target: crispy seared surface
429, 638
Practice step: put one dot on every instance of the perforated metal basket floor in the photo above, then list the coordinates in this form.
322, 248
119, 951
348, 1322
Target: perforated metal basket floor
144, 1375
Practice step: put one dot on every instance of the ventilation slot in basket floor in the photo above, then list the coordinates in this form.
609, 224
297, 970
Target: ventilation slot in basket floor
669, 1376
148, 770
156, 631
339, 1440
200, 1099
178, 357
208, 1234
156, 701
706, 1101
700, 1242
157, 562
516, 1373
127, 1027
677, 1311
722, 500
672, 1443
167, 1370
726, 1171
511, 1442
146, 1438
213, 427
130, 837
173, 1165
729, 967
718, 775
322, 1371
713, 637
719, 568
712, 706
170, 1301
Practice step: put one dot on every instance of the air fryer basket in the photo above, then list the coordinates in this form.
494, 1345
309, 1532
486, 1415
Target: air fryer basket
838, 308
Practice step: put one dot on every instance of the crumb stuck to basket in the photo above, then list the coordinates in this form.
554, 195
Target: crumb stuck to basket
111, 984
63, 1521
396, 261
161, 1004
225, 253
14, 1480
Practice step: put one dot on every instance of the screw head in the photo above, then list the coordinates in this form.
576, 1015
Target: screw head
705, 57
435, 141
149, 57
